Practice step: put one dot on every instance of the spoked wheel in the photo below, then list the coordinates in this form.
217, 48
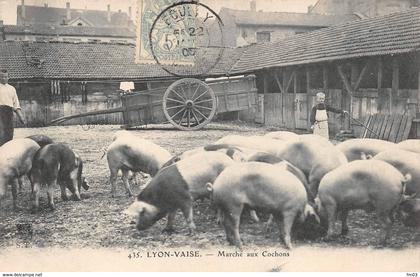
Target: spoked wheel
189, 104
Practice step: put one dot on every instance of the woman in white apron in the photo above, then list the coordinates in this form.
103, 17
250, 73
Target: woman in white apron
319, 116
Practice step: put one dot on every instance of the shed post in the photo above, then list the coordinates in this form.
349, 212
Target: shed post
308, 92
395, 82
265, 90
418, 84
325, 78
296, 101
380, 78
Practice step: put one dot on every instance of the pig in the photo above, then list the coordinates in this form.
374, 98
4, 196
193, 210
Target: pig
315, 157
363, 184
235, 153
42, 140
412, 145
405, 162
176, 187
15, 161
55, 164
130, 153
259, 186
282, 135
353, 148
251, 144
409, 212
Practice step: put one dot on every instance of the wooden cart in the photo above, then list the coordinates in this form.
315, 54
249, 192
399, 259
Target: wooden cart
188, 104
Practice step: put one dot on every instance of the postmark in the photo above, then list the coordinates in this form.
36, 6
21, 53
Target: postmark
186, 39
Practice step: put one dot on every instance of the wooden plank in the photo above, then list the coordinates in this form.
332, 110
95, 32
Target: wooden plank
376, 125
395, 128
401, 131
380, 123
407, 130
381, 132
372, 125
388, 128
367, 123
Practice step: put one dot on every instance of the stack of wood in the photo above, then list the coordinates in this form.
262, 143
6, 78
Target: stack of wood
344, 135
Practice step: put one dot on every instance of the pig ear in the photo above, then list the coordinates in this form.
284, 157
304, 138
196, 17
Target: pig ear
364, 156
209, 187
409, 197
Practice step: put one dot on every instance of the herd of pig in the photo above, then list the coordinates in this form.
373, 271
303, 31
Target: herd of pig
303, 181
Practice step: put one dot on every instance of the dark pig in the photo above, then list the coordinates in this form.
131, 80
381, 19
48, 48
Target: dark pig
57, 164
176, 187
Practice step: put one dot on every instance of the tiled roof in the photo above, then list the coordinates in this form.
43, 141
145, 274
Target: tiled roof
51, 15
392, 34
285, 18
51, 30
88, 61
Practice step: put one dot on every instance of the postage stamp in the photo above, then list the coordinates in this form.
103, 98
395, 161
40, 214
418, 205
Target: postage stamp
185, 37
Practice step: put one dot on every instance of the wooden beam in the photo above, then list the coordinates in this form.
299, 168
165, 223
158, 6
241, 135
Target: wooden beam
289, 82
344, 80
279, 84
395, 82
361, 75
325, 77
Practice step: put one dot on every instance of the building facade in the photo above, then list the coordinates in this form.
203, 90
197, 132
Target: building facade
243, 27
366, 8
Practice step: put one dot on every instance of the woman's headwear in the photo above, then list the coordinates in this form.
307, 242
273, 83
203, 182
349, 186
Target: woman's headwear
320, 94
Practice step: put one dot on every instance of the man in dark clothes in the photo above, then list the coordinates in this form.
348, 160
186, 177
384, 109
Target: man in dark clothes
319, 116
9, 103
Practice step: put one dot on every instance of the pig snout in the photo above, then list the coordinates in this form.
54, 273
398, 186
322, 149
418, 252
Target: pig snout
85, 184
309, 212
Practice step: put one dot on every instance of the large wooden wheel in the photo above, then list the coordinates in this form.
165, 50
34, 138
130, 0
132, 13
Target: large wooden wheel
189, 104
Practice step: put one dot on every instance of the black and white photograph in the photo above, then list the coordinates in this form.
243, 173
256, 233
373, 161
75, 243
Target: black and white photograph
209, 136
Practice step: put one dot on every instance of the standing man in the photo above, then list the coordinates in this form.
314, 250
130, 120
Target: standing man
9, 103
319, 116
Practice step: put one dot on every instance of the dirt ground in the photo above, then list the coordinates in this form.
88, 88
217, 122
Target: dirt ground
98, 222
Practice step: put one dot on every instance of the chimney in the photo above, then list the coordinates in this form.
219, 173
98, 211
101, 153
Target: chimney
68, 16
2, 34
310, 7
253, 5
109, 13
23, 11
129, 12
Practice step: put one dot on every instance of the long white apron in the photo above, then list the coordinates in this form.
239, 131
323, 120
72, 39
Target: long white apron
321, 124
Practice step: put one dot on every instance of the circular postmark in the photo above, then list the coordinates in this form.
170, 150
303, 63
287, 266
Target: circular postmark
186, 39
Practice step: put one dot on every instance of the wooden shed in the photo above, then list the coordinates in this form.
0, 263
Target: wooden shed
366, 66
56, 79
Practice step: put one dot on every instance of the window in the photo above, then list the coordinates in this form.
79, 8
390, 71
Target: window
263, 36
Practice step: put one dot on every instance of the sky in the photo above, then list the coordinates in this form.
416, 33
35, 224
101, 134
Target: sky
8, 7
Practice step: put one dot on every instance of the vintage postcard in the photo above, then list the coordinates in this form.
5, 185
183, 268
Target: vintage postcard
209, 136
